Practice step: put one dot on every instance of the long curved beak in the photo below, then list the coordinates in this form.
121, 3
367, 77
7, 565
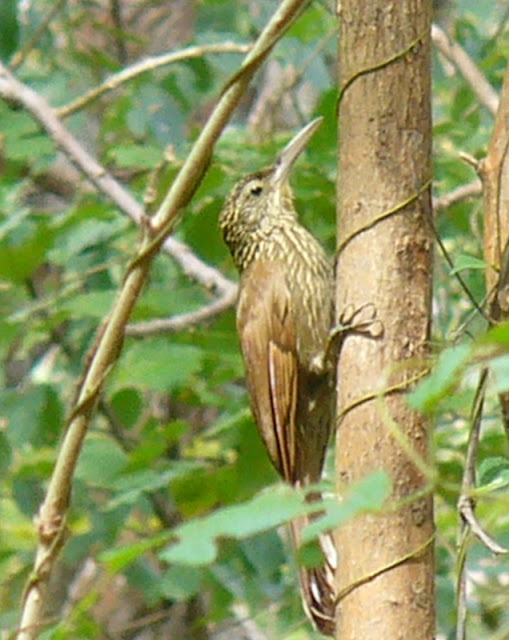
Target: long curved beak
291, 152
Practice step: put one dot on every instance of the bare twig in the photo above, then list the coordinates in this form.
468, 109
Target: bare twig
463, 62
463, 192
142, 622
466, 510
149, 64
465, 500
21, 54
442, 203
196, 269
185, 320
469, 522
119, 36
277, 84
457, 274
12, 89
109, 337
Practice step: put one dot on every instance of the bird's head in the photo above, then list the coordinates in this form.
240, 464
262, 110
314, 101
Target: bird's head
260, 201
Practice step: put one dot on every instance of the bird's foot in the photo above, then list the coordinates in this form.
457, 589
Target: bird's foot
361, 320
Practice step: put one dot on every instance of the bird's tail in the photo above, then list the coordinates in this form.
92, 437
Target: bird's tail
317, 584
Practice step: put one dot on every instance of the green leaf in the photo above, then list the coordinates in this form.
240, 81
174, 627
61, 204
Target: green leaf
155, 111
270, 508
85, 235
14, 219
180, 583
157, 364
494, 472
136, 156
369, 494
23, 250
499, 335
500, 369
127, 405
464, 261
155, 443
9, 28
100, 462
33, 418
94, 304
5, 452
445, 375
197, 539
309, 554
130, 486
29, 149
312, 24
117, 559
265, 553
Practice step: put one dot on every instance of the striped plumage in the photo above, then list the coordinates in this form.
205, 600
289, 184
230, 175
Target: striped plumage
284, 317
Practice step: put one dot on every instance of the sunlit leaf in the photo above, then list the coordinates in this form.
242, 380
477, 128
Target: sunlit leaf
157, 364
368, 494
179, 583
467, 262
444, 376
268, 509
118, 559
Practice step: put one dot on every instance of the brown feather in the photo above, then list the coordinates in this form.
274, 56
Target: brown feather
284, 316
268, 345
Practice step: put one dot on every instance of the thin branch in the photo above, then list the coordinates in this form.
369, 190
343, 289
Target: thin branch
149, 64
20, 55
457, 274
465, 500
277, 83
463, 192
119, 36
466, 66
466, 510
142, 622
109, 337
469, 522
194, 268
13, 90
184, 321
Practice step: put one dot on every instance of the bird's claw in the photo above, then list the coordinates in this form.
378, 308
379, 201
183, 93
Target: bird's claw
361, 320
358, 320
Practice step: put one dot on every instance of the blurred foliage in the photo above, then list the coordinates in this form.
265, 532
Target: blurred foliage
172, 440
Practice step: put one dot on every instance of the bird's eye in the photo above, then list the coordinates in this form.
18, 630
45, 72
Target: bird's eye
256, 190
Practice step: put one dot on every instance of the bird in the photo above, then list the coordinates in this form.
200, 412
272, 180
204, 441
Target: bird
284, 316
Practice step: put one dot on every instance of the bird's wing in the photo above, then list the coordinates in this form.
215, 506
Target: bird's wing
267, 334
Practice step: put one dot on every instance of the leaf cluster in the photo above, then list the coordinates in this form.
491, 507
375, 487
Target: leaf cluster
172, 452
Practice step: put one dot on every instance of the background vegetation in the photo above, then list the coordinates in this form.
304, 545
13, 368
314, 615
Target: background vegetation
173, 439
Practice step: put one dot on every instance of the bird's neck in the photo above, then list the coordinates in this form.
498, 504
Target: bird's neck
283, 241
268, 241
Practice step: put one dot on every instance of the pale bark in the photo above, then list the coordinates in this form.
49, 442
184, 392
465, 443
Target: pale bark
385, 258
494, 173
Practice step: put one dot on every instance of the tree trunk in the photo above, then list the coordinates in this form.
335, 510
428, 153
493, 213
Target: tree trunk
386, 571
494, 173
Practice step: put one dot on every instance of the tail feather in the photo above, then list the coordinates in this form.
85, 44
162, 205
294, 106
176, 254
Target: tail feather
317, 584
